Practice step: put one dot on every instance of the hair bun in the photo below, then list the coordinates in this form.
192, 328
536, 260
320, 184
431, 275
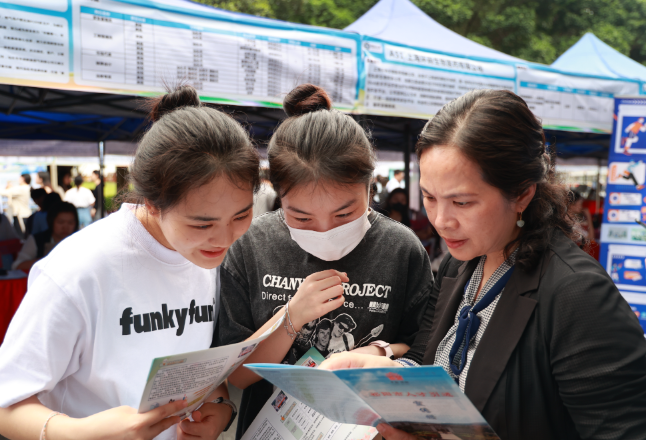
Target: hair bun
182, 96
306, 98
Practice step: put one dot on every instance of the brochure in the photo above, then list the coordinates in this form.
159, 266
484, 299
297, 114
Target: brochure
195, 375
285, 418
423, 400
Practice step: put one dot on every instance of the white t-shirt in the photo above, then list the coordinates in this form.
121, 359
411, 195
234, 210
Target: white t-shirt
99, 308
392, 184
80, 197
19, 200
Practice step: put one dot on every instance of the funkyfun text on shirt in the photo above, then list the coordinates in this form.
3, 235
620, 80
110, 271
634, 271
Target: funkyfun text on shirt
286, 283
162, 320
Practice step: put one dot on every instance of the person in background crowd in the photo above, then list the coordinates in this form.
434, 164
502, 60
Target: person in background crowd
44, 181
265, 198
66, 182
324, 254
72, 346
63, 221
83, 199
38, 196
584, 218
40, 220
532, 329
19, 201
397, 206
98, 195
396, 181
380, 192
7, 231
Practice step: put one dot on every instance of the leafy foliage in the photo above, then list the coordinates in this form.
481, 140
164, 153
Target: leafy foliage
535, 30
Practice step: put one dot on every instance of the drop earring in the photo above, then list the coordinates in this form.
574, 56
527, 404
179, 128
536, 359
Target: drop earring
520, 223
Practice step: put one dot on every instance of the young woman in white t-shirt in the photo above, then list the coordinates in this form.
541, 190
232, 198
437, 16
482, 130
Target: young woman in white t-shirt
129, 288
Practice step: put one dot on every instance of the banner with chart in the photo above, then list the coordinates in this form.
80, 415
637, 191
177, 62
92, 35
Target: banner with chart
566, 102
135, 47
405, 81
623, 231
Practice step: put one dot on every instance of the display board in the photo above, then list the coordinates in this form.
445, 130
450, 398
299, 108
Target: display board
406, 81
623, 231
567, 102
133, 47
137, 46
413, 82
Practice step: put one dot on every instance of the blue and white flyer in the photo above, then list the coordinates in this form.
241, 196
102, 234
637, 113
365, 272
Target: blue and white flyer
285, 418
423, 400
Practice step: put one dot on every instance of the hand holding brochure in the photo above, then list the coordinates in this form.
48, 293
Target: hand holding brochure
194, 376
422, 400
285, 418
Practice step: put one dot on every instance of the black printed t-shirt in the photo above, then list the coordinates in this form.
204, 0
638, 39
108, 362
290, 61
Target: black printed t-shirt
385, 299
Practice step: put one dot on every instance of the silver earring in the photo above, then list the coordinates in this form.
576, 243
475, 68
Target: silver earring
520, 223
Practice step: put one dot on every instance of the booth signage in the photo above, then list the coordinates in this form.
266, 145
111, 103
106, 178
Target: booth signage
623, 231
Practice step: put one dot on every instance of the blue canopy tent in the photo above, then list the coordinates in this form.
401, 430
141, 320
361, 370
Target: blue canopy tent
49, 122
36, 113
99, 123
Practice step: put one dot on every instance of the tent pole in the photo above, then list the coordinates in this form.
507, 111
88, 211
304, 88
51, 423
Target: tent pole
53, 175
407, 150
101, 170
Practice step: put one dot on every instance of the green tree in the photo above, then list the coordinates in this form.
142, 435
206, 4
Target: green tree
535, 30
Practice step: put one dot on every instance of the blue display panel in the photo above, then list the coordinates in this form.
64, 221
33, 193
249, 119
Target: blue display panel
623, 234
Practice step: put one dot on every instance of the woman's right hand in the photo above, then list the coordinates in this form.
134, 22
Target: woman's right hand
340, 361
123, 423
318, 295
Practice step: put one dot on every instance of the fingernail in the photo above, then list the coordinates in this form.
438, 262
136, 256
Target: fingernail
380, 428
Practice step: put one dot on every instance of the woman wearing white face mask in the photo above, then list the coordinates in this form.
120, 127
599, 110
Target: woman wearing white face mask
351, 276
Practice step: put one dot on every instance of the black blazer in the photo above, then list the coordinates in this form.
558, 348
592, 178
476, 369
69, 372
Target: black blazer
563, 356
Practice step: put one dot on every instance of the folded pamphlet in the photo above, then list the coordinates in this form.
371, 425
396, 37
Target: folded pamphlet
195, 375
285, 418
422, 400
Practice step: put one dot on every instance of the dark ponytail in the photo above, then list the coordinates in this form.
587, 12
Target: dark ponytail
318, 144
188, 146
496, 130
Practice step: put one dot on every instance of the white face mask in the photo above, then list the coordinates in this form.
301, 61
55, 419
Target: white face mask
334, 244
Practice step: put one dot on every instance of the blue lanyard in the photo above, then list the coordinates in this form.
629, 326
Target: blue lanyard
469, 322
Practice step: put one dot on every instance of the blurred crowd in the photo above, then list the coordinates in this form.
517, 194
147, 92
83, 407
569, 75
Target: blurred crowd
27, 235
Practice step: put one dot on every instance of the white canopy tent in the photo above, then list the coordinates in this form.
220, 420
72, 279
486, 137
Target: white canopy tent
400, 21
591, 56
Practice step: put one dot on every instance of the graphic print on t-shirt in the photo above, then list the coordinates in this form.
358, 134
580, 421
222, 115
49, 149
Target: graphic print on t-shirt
153, 321
330, 335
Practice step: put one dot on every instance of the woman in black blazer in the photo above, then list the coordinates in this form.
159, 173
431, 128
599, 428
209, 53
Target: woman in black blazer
532, 328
